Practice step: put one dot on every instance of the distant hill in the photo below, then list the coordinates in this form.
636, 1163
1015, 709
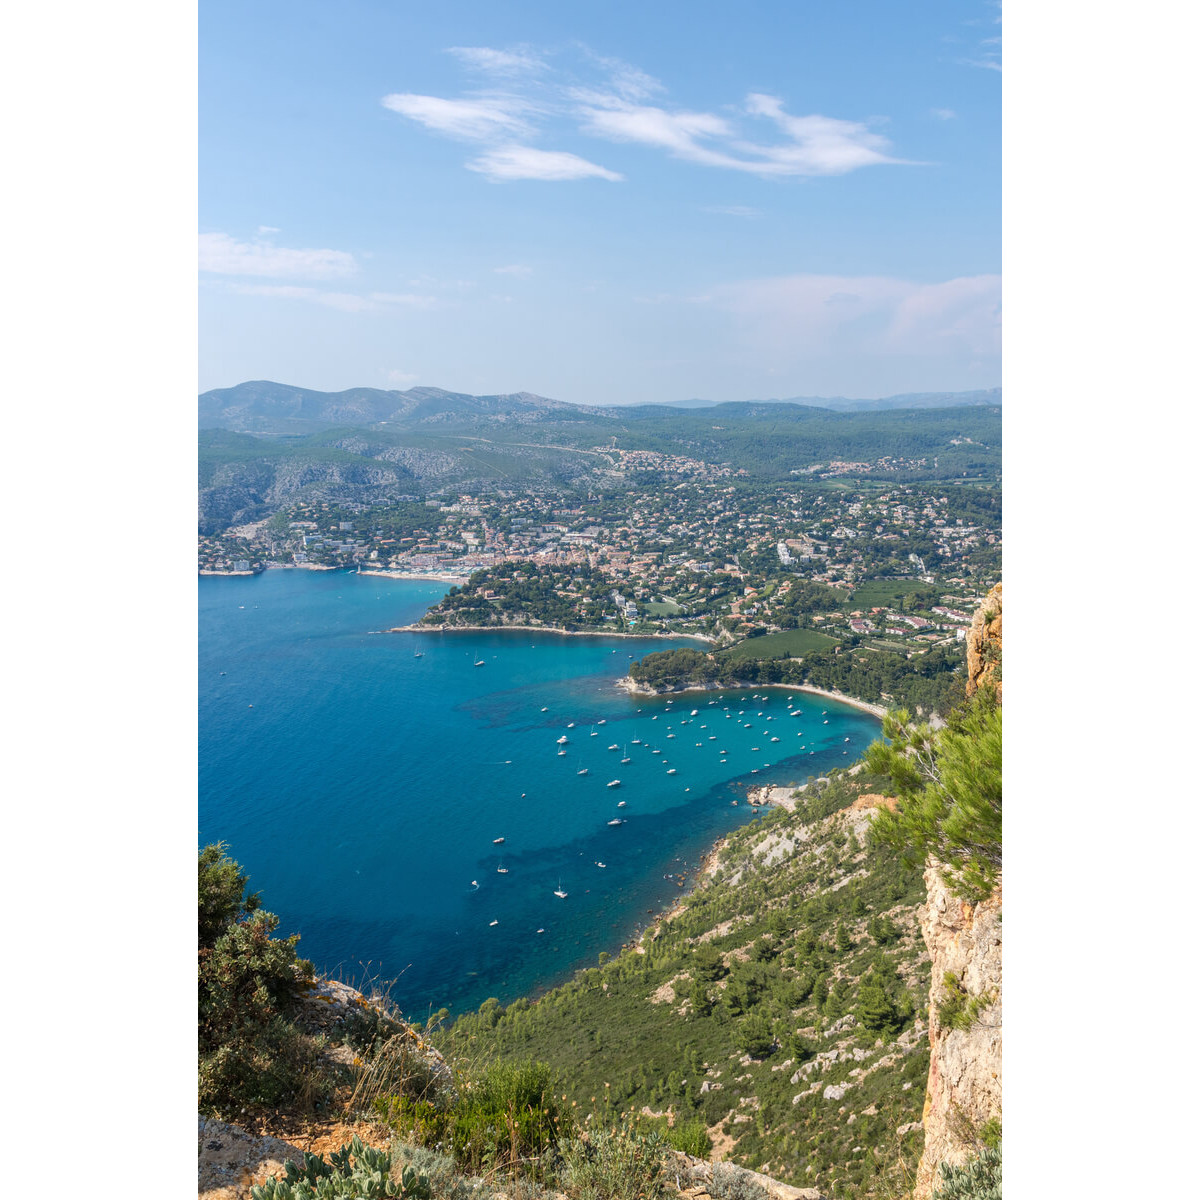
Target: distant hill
842, 404
988, 396
262, 406
263, 445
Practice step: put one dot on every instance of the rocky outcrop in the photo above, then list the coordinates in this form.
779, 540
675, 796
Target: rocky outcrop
985, 643
965, 1038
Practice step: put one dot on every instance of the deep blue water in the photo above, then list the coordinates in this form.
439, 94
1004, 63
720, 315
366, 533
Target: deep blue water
362, 786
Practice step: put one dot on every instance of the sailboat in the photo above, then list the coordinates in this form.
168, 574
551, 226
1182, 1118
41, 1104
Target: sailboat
558, 891
626, 758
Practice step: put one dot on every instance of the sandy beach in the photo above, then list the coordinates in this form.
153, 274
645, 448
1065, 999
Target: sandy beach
876, 710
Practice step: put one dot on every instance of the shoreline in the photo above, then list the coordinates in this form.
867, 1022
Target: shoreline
544, 629
875, 710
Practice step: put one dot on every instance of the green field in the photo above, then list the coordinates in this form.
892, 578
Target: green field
883, 593
665, 608
790, 643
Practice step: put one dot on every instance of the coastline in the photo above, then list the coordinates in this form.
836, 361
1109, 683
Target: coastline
614, 633
876, 710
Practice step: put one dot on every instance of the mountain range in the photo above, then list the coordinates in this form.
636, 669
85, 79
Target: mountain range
262, 406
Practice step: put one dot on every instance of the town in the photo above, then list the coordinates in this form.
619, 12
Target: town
771, 570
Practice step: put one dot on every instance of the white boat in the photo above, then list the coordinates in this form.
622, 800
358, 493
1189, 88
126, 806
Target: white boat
617, 821
693, 712
493, 923
545, 710
593, 734
501, 870
671, 771
656, 750
774, 739
582, 771
620, 803
561, 753
599, 864
570, 724
558, 891
474, 883
497, 841
480, 663
601, 722
562, 741
614, 783
614, 746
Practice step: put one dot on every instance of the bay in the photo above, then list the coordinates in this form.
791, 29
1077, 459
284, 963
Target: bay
363, 778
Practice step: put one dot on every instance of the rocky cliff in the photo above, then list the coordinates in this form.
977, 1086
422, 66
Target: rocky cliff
963, 1095
985, 643
965, 1037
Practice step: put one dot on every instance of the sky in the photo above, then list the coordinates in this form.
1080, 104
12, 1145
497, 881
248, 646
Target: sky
604, 203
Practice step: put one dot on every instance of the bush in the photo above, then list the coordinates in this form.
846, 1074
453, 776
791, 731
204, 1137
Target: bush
621, 1163
367, 1177
977, 1179
730, 1182
509, 1115
689, 1137
248, 984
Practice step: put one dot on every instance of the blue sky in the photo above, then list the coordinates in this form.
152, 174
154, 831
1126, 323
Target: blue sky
604, 203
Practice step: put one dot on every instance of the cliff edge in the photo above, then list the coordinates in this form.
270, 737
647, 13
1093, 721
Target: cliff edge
963, 1100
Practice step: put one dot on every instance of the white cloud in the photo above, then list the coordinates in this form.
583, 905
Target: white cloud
796, 318
514, 269
732, 210
615, 108
402, 379
943, 114
518, 61
223, 255
816, 145
524, 162
268, 229
474, 120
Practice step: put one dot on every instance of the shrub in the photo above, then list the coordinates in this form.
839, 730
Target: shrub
977, 1179
367, 1177
509, 1115
690, 1137
621, 1163
248, 984
730, 1182
754, 1036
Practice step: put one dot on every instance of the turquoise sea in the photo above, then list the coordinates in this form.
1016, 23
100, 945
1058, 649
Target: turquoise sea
363, 780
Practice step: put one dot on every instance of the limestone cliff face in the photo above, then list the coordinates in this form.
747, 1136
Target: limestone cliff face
964, 1089
985, 642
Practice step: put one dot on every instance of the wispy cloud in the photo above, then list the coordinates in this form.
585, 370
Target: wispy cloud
943, 114
530, 101
474, 120
790, 319
520, 60
224, 255
514, 269
525, 162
